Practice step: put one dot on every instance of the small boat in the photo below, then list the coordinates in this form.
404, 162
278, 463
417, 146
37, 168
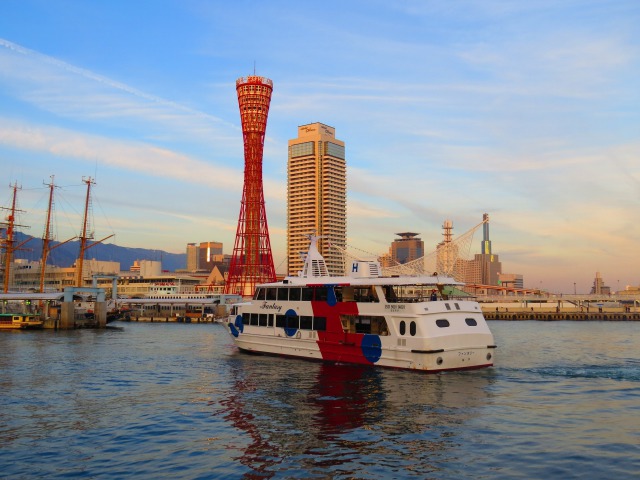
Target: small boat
424, 322
15, 321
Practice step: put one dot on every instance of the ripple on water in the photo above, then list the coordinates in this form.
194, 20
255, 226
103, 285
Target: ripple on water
170, 400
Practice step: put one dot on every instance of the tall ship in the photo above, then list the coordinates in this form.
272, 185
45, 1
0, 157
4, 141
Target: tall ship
420, 322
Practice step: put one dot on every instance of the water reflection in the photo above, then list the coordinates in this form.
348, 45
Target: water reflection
317, 416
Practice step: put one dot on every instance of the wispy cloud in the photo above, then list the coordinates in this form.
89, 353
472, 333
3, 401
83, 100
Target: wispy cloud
80, 94
133, 156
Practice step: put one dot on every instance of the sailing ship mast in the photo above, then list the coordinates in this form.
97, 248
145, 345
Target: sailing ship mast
8, 241
46, 238
84, 237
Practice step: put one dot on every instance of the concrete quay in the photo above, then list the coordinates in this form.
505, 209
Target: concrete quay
174, 319
562, 307
614, 316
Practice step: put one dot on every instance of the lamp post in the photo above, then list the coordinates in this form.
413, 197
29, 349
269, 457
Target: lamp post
574, 288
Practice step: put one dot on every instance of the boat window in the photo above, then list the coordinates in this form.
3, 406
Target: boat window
412, 329
307, 294
363, 325
347, 294
246, 318
360, 294
373, 324
320, 323
406, 293
294, 294
280, 321
448, 306
283, 294
442, 323
471, 322
457, 306
365, 294
321, 294
271, 293
373, 295
379, 326
263, 319
259, 295
306, 322
338, 292
390, 294
403, 328
292, 322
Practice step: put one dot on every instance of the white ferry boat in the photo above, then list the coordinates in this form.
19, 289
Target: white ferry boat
407, 322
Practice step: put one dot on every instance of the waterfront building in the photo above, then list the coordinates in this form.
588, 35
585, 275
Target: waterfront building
192, 257
483, 269
511, 280
386, 260
599, 288
138, 286
485, 266
316, 196
407, 248
209, 254
630, 290
56, 279
146, 279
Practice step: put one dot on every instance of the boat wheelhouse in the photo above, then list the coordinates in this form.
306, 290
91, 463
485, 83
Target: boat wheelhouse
409, 322
19, 321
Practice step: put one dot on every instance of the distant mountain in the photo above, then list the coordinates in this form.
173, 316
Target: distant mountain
66, 255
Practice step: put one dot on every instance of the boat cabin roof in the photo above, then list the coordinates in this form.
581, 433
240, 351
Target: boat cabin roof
365, 281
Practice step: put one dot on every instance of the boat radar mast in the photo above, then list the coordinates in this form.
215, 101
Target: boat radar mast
314, 264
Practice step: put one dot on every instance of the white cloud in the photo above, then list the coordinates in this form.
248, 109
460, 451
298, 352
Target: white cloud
132, 156
80, 95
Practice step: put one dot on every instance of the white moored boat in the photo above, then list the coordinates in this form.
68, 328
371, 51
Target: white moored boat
408, 322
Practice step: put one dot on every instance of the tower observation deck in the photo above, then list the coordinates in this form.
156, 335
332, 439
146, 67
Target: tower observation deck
251, 260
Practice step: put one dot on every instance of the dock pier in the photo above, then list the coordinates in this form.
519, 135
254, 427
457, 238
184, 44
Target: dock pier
559, 316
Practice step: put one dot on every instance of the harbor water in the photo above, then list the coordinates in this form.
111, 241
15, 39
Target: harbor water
167, 400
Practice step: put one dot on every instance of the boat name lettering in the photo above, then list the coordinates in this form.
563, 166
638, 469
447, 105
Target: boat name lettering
394, 308
271, 306
465, 354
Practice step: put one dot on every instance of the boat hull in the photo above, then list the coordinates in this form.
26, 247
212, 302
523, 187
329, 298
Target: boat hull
410, 341
410, 322
428, 363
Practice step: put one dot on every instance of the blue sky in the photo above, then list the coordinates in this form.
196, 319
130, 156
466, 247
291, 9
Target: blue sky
528, 111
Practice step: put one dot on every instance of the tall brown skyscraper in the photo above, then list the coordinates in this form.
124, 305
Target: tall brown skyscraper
316, 196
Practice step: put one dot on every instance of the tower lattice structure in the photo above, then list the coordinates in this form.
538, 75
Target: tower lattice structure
252, 261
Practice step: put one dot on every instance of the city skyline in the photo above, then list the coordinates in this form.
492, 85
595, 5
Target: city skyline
525, 111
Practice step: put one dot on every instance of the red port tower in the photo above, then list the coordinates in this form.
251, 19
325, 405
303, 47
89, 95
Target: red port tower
252, 261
